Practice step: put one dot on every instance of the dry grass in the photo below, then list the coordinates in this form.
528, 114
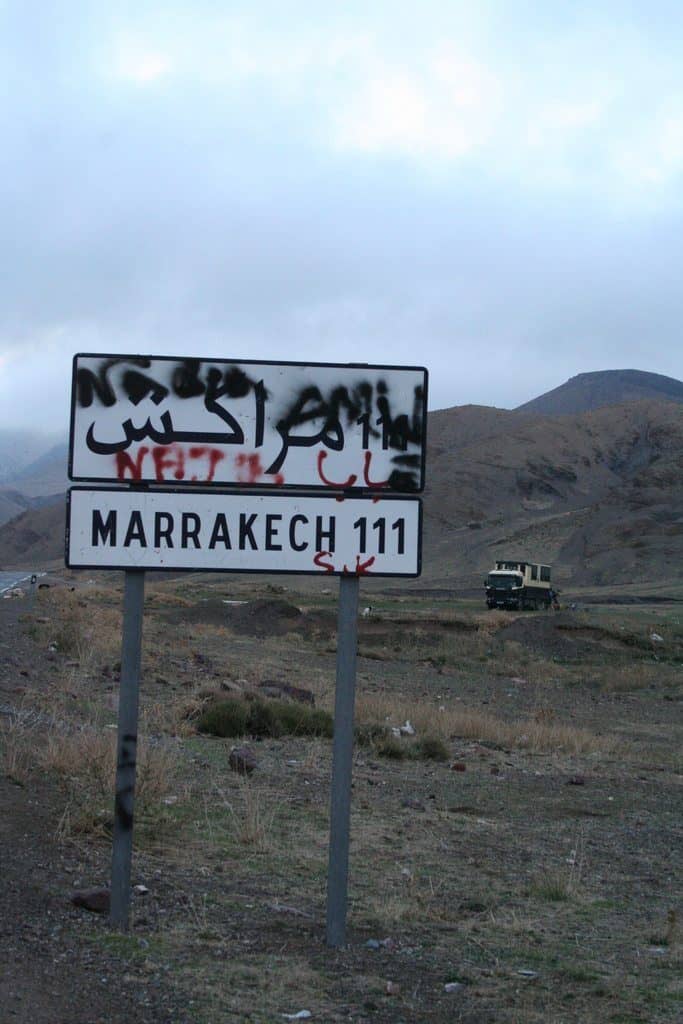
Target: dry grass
250, 815
82, 627
638, 675
84, 762
15, 752
535, 734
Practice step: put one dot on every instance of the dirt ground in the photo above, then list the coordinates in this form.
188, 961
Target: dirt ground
536, 871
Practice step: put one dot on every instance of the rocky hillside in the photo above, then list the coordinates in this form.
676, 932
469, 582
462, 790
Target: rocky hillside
589, 391
29, 476
599, 495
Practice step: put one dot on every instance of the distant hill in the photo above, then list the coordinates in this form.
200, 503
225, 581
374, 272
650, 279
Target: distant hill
34, 538
44, 475
598, 494
12, 503
37, 480
589, 391
18, 448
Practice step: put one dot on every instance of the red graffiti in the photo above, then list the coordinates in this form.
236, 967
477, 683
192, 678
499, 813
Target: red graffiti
373, 484
318, 560
125, 463
170, 459
250, 470
361, 567
212, 454
331, 483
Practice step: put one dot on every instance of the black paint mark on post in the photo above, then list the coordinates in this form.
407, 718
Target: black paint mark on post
126, 750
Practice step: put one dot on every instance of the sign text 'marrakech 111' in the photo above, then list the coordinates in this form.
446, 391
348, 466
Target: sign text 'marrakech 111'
159, 419
116, 528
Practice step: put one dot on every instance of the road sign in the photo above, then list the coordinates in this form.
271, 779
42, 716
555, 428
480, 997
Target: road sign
188, 421
249, 531
284, 427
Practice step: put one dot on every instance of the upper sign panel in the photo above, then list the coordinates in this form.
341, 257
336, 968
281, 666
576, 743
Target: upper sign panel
156, 419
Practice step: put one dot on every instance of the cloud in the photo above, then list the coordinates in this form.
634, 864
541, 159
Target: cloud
491, 192
445, 109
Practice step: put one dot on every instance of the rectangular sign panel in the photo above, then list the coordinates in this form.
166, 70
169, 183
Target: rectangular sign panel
156, 419
116, 528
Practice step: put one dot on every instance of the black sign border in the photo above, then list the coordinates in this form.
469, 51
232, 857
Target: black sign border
323, 488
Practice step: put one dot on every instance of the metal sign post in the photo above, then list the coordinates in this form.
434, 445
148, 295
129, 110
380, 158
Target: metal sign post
126, 747
342, 756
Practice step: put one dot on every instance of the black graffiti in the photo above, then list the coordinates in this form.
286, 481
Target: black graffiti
125, 794
356, 407
89, 384
312, 419
185, 383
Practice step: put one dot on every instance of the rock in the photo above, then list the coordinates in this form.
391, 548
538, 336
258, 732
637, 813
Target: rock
656, 638
140, 890
576, 780
227, 684
301, 1015
392, 988
242, 760
272, 688
373, 944
272, 691
453, 986
97, 901
299, 693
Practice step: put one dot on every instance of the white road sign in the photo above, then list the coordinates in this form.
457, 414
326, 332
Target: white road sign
156, 419
116, 528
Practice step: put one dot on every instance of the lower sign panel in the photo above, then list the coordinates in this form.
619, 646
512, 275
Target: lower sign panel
110, 528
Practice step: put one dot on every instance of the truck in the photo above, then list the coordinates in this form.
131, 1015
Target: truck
519, 585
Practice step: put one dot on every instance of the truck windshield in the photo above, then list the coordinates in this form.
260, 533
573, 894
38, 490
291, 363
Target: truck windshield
503, 581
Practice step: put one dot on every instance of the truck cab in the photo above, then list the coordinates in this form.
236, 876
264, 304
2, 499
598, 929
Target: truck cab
518, 584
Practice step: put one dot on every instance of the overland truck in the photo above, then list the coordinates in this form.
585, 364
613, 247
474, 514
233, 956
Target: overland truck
518, 584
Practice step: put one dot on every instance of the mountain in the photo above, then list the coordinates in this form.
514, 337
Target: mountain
36, 482
35, 538
598, 494
589, 391
44, 475
18, 448
12, 503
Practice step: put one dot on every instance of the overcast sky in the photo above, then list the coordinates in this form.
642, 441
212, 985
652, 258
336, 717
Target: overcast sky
491, 189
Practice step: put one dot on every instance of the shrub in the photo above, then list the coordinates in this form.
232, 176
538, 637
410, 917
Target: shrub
225, 718
392, 747
234, 717
368, 734
299, 720
264, 719
431, 748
